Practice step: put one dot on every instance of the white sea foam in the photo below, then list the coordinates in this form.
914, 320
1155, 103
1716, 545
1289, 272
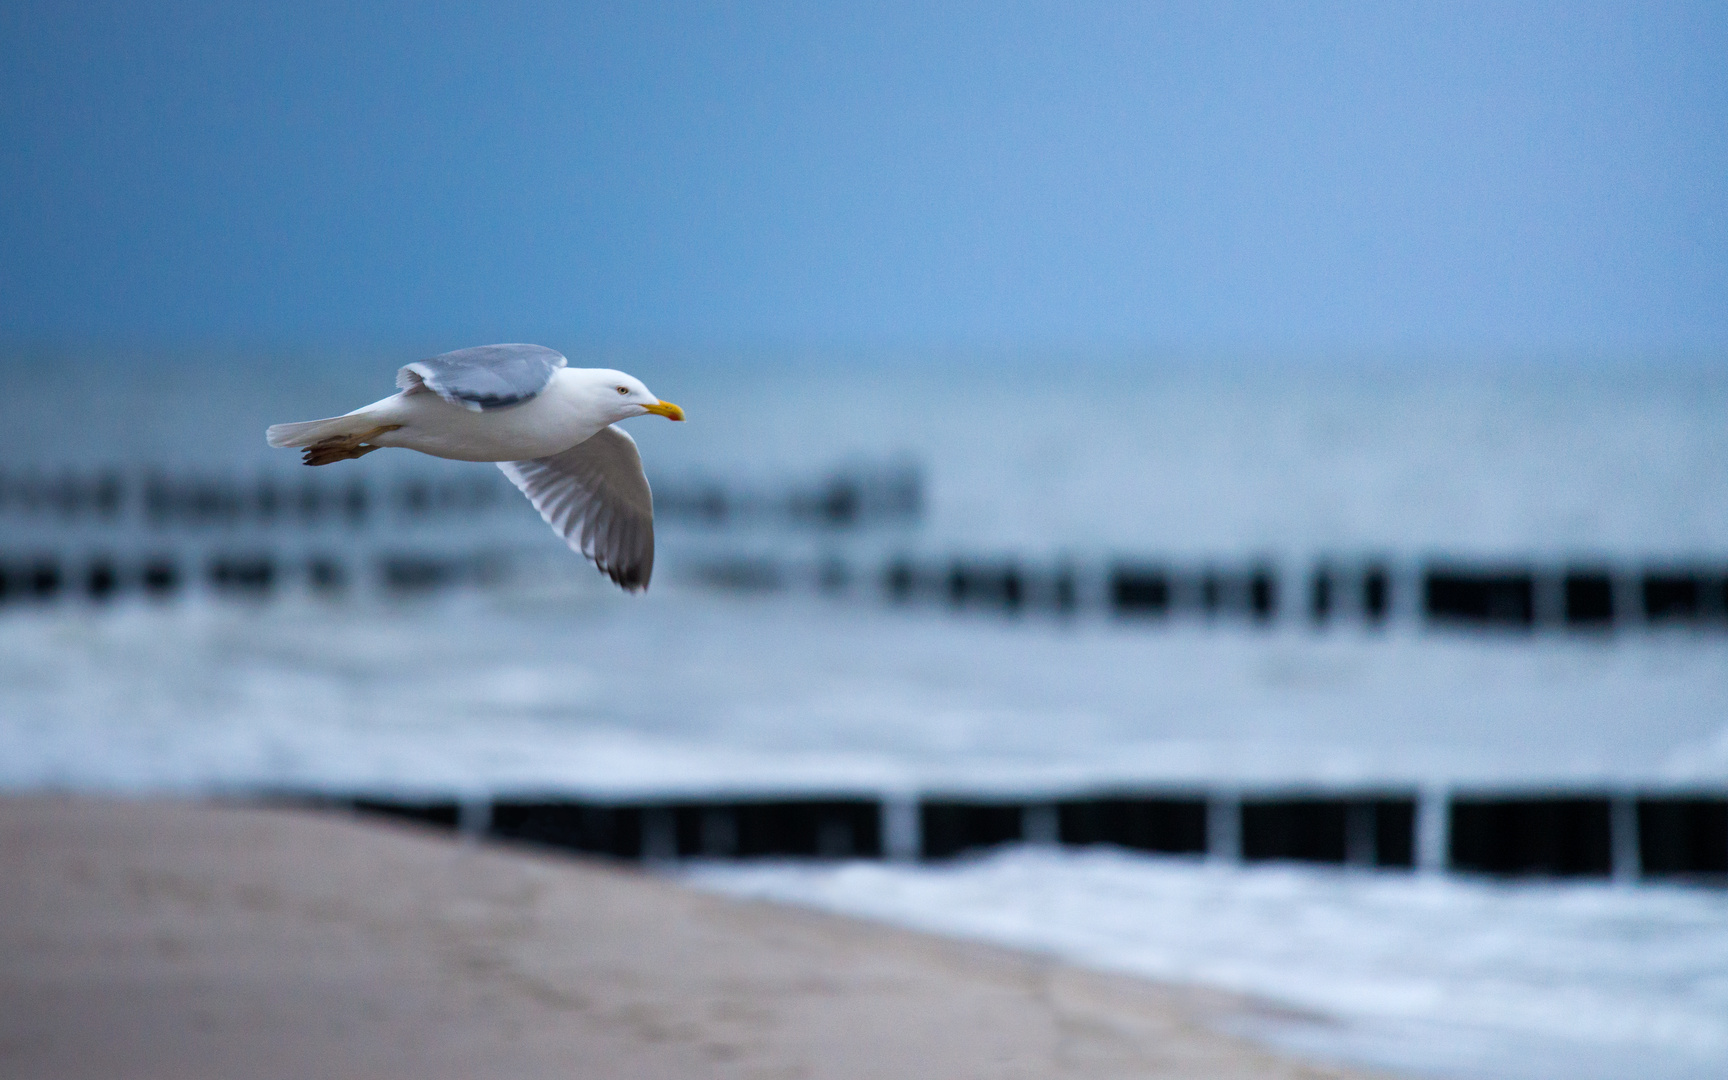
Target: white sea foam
689, 692
1431, 975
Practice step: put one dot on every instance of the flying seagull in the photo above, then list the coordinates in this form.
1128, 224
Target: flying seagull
548, 426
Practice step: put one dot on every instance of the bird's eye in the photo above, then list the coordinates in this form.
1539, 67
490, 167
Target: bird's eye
623, 390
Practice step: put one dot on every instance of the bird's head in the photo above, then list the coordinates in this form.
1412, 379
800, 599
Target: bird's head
624, 396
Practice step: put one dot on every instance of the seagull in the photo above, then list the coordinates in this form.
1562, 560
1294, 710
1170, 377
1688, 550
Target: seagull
548, 426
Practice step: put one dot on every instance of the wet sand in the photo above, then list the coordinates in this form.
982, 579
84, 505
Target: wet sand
185, 940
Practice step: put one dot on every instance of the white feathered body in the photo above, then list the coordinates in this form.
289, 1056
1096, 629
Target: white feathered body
567, 412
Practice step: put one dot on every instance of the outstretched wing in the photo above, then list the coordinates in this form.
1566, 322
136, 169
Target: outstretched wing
483, 378
596, 497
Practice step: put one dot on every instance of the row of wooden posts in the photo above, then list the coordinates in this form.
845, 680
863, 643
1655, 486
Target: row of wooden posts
844, 498
1624, 835
1370, 594
1480, 594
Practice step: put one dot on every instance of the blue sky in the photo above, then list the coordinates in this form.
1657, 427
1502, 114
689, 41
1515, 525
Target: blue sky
1217, 176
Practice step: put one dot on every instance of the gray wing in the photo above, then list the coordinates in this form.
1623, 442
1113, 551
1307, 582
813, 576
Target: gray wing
487, 377
596, 497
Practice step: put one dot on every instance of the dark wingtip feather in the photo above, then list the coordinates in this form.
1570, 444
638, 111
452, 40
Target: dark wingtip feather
630, 579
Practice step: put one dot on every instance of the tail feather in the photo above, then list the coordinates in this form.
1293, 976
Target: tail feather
308, 432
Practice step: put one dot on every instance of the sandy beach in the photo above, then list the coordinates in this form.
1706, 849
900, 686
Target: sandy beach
178, 939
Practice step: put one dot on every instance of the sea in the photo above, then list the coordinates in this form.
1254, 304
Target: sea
455, 646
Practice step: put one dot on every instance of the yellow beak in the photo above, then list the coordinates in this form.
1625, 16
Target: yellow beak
666, 409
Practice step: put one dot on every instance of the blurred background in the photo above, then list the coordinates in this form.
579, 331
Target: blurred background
1232, 494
